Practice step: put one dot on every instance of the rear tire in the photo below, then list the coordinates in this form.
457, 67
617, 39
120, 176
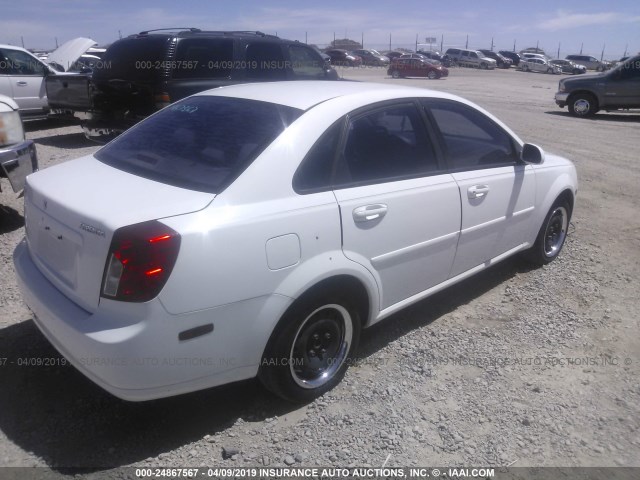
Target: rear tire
433, 75
310, 349
551, 236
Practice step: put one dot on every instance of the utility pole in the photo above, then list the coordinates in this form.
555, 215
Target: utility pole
56, 42
492, 44
558, 56
22, 40
120, 34
305, 38
441, 41
537, 43
362, 42
625, 50
466, 45
514, 45
416, 42
602, 54
581, 45
389, 42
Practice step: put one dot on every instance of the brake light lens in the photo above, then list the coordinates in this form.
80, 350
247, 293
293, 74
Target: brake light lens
162, 99
140, 260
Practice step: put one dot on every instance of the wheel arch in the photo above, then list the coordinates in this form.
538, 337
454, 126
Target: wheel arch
362, 297
584, 91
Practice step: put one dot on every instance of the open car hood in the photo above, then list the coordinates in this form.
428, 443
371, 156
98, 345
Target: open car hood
63, 57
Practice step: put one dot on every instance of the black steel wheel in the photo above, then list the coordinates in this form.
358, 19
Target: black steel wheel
552, 234
310, 349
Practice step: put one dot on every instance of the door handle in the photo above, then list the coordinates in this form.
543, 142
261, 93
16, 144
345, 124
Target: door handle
478, 191
367, 213
21, 83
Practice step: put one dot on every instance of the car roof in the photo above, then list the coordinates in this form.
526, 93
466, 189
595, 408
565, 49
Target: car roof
306, 94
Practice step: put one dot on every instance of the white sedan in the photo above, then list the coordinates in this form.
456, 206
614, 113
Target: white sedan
254, 230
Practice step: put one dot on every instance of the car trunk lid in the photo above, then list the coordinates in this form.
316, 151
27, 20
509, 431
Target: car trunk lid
72, 212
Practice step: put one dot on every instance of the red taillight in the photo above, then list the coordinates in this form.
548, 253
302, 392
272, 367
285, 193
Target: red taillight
162, 100
140, 261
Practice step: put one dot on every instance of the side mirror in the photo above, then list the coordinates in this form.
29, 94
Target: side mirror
532, 154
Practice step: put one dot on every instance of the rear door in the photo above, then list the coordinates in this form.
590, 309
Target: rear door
400, 210
497, 192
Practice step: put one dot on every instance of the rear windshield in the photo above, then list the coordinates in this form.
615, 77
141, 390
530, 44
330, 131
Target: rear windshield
135, 59
202, 143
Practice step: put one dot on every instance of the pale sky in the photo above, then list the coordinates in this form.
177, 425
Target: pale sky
594, 24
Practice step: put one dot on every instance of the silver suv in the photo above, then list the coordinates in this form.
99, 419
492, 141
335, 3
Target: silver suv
471, 58
592, 63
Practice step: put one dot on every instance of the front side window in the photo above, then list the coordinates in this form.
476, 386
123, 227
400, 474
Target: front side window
472, 139
15, 62
386, 144
201, 143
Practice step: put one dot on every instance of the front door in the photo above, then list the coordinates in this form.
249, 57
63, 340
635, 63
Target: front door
497, 191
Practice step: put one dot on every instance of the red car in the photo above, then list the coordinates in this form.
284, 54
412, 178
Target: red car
417, 67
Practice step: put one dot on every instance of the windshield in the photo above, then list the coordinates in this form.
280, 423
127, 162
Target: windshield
202, 143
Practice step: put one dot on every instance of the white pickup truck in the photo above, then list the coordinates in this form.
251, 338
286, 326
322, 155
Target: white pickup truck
17, 156
22, 74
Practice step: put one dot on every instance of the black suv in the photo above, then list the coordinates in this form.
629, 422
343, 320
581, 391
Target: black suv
142, 73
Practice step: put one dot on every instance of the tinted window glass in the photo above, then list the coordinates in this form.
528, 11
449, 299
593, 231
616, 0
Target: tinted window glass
202, 143
265, 61
305, 62
384, 145
139, 59
316, 171
203, 58
471, 138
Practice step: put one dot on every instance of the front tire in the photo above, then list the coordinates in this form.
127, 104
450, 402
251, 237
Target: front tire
395, 74
433, 75
583, 105
552, 235
309, 351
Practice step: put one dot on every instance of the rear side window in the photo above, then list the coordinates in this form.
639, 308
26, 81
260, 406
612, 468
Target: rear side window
203, 58
265, 61
387, 144
202, 143
138, 59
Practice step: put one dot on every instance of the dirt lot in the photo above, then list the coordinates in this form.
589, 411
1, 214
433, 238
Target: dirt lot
515, 366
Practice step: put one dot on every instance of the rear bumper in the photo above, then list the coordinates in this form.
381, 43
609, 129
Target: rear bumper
18, 161
134, 351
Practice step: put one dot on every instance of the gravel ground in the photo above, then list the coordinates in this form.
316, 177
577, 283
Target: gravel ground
516, 366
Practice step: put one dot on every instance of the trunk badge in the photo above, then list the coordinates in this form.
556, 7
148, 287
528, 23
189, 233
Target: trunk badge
92, 229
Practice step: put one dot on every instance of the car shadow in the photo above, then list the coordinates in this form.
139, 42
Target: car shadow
50, 409
49, 123
10, 220
68, 140
630, 117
